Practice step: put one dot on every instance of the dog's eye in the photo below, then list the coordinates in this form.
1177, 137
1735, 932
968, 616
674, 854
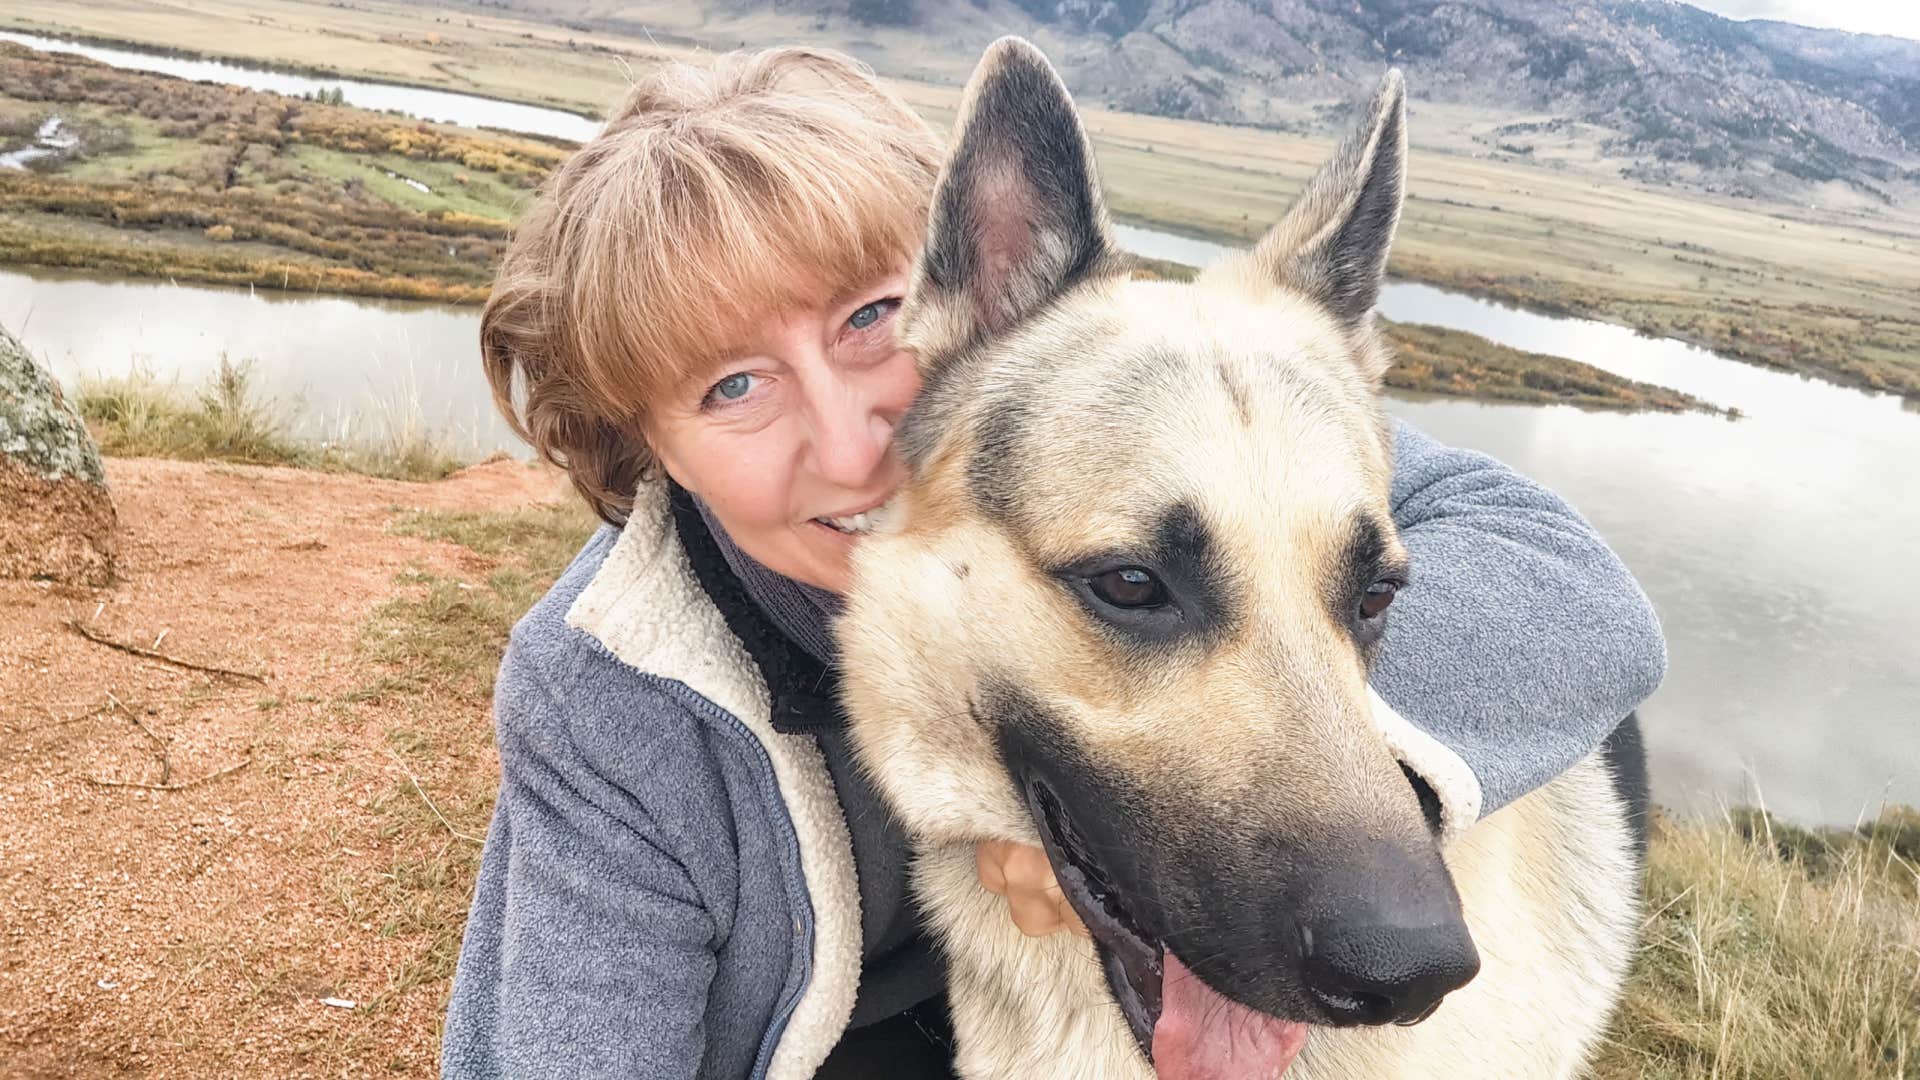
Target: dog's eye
1378, 596
1129, 587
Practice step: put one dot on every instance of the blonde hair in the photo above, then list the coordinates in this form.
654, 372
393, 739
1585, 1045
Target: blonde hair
714, 197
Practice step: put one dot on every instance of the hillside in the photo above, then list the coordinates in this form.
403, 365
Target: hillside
1644, 89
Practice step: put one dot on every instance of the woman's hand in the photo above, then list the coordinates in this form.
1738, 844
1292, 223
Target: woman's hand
1021, 873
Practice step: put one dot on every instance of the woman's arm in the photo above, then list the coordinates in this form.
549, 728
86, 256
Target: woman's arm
1523, 640
589, 948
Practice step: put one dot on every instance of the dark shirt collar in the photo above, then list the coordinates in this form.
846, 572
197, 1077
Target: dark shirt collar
802, 612
784, 625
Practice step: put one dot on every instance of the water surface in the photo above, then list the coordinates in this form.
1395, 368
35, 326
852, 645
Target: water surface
349, 368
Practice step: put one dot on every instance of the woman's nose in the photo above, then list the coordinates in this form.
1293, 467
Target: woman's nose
851, 436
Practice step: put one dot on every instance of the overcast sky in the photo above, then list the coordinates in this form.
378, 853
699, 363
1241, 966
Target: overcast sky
1898, 17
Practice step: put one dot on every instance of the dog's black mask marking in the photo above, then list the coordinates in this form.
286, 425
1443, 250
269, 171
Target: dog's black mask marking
1152, 872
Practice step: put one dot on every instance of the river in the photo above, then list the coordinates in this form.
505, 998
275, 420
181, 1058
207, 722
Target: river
1769, 544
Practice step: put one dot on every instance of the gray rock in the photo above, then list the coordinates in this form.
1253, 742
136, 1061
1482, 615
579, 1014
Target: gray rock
37, 428
56, 519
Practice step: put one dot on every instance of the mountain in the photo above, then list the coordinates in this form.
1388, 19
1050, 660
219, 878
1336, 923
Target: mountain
1651, 89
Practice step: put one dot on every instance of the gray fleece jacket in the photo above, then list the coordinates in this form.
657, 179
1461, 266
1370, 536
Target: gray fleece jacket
670, 886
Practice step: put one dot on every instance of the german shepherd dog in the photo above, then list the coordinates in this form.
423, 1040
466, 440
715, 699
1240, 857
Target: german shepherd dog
1124, 608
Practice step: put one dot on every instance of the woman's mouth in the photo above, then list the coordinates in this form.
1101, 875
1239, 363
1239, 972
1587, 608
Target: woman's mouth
859, 523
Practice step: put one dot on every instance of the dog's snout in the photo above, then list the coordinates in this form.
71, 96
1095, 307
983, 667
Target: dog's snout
1386, 941
1387, 974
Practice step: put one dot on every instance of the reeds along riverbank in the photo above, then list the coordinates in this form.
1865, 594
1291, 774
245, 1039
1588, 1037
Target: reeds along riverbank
1456, 363
228, 419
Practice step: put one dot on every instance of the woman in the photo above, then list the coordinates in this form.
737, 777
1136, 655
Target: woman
686, 874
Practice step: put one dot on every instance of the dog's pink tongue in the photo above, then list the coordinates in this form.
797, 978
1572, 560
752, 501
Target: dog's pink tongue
1204, 1036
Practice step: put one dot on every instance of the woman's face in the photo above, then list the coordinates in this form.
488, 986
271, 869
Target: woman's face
789, 436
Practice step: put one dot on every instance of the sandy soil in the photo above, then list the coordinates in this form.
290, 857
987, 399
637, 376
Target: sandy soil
196, 931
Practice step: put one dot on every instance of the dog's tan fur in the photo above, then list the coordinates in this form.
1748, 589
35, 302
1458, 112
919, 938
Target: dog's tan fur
1262, 407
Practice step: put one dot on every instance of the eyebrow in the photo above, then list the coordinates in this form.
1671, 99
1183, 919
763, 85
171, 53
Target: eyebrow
849, 293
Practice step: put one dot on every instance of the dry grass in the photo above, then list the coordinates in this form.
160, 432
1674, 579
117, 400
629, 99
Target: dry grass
1774, 951
228, 419
140, 415
436, 647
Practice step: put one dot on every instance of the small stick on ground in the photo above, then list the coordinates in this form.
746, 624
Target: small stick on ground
101, 639
397, 760
181, 786
160, 744
55, 721
115, 702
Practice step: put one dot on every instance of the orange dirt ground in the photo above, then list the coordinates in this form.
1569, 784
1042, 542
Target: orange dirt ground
194, 932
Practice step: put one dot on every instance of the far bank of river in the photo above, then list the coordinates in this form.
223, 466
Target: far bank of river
1853, 356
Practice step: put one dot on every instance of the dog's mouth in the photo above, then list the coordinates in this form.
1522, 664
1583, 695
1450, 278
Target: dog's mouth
1183, 1026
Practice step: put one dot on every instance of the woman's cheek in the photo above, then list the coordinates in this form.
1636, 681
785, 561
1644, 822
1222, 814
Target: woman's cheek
902, 376
752, 475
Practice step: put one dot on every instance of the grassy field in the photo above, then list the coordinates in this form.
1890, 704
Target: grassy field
1774, 951
1827, 293
226, 185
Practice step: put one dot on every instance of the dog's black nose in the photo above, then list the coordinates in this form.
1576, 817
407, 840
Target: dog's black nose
1376, 973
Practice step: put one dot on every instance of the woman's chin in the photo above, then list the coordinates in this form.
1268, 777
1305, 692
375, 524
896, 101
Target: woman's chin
829, 557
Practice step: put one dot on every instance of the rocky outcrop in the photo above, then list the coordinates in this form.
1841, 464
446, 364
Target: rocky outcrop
56, 520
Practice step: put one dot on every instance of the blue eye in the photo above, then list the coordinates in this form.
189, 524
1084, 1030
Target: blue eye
872, 313
732, 388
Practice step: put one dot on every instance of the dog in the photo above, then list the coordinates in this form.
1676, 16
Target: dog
1124, 608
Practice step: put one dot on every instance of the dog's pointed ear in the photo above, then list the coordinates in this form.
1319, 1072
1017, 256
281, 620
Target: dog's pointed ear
1332, 244
1017, 217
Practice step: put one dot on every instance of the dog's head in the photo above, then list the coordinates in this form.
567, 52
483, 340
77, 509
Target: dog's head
1126, 603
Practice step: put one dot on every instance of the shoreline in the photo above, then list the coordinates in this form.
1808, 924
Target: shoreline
1511, 293
311, 71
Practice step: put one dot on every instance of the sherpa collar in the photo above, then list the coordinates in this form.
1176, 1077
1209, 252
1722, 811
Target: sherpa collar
648, 608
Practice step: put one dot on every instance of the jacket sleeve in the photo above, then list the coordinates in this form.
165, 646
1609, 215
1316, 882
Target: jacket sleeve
1523, 640
589, 948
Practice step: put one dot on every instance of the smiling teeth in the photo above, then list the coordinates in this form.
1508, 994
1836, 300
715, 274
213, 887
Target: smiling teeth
856, 524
